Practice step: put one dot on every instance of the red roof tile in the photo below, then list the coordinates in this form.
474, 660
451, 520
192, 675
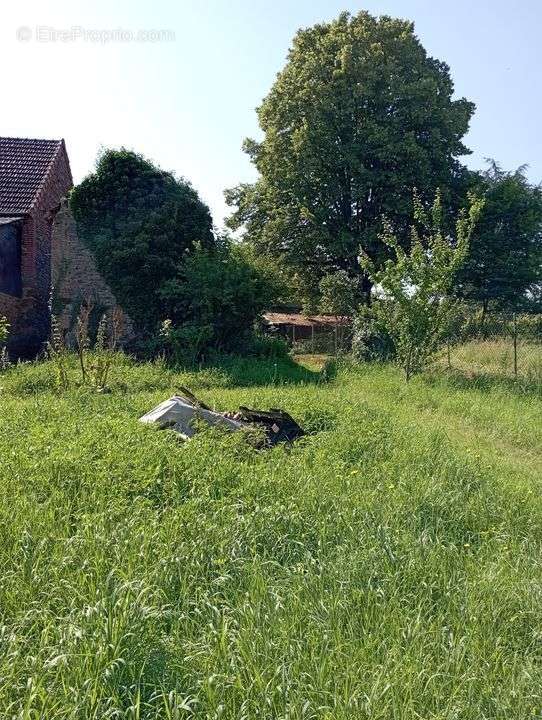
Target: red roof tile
24, 165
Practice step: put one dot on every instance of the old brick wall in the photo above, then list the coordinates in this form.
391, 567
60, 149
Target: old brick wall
57, 269
42, 213
75, 278
29, 315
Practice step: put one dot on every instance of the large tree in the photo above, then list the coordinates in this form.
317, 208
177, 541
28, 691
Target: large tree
504, 265
358, 117
140, 222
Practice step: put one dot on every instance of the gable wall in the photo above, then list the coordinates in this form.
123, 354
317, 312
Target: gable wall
29, 315
75, 277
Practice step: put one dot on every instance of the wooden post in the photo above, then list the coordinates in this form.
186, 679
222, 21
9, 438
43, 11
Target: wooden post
312, 339
515, 335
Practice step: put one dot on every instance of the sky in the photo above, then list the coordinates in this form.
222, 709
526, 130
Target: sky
179, 81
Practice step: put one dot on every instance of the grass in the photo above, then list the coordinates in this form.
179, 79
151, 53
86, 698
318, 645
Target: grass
495, 357
387, 566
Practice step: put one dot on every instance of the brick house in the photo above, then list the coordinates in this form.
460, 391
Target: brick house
34, 176
39, 247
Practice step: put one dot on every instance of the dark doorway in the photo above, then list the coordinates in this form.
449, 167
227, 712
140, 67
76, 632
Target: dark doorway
10, 256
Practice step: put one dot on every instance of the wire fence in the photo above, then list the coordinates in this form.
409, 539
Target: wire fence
498, 344
336, 340
493, 344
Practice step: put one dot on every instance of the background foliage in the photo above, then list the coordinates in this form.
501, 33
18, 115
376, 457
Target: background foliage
214, 301
504, 265
141, 223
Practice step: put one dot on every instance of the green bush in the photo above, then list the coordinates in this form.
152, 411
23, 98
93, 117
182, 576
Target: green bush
266, 346
214, 302
371, 341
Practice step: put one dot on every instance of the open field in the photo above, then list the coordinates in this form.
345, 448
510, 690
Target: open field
387, 566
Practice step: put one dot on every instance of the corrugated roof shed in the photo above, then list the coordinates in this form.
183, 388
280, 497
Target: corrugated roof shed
300, 320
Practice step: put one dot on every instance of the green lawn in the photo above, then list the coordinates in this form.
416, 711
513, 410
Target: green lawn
388, 566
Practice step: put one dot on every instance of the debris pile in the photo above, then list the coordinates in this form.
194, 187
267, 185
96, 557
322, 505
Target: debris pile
182, 412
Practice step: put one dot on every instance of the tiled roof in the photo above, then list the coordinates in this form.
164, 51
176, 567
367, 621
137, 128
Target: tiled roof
23, 168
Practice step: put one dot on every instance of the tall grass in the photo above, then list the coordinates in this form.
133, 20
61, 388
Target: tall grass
387, 566
495, 357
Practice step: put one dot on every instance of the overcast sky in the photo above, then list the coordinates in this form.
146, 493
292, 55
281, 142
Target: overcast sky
179, 81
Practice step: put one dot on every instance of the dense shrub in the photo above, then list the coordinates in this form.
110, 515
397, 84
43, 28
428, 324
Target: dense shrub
267, 346
371, 341
213, 303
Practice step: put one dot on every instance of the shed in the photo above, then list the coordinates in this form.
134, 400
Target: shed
296, 326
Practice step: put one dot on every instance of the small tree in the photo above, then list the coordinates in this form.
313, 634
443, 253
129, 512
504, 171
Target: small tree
415, 305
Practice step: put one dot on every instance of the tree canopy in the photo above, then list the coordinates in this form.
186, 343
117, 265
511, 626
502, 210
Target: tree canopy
358, 117
140, 222
504, 265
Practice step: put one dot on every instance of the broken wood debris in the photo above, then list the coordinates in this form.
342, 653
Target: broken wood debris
182, 411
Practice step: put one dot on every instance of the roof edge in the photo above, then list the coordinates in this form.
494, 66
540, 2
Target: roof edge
61, 147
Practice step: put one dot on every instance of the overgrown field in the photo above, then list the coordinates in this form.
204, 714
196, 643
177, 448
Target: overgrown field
496, 357
388, 566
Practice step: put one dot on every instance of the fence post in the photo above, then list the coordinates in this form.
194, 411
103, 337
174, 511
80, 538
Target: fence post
515, 336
